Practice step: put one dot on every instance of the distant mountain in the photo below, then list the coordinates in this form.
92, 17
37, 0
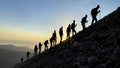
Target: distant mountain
15, 48
97, 47
10, 55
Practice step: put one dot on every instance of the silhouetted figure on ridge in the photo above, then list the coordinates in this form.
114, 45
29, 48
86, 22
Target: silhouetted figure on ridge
54, 37
28, 54
45, 43
73, 25
94, 13
21, 59
68, 31
51, 42
35, 50
83, 21
61, 33
40, 45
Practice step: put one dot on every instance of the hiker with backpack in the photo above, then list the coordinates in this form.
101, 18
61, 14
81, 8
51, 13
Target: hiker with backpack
28, 54
68, 31
46, 46
51, 42
73, 25
94, 13
83, 21
35, 50
40, 45
61, 33
54, 36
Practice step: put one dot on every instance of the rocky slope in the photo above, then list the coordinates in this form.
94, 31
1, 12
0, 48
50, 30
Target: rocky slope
97, 47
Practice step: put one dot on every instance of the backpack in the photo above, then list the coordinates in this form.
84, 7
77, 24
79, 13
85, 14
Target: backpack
94, 11
72, 25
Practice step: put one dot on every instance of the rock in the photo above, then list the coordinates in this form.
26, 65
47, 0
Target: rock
91, 59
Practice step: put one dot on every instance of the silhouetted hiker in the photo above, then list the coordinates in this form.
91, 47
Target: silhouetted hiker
51, 42
54, 38
28, 54
40, 45
83, 21
61, 33
94, 13
35, 50
68, 31
21, 59
73, 25
45, 43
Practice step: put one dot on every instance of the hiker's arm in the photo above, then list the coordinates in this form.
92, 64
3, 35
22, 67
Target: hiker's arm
99, 11
75, 25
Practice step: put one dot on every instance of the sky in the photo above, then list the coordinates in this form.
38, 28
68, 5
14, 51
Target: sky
27, 22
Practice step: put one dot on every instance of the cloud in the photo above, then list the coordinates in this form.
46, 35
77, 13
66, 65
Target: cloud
20, 37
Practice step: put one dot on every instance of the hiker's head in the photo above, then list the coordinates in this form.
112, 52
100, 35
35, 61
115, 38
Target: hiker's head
62, 27
73, 21
54, 31
69, 25
85, 15
98, 6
